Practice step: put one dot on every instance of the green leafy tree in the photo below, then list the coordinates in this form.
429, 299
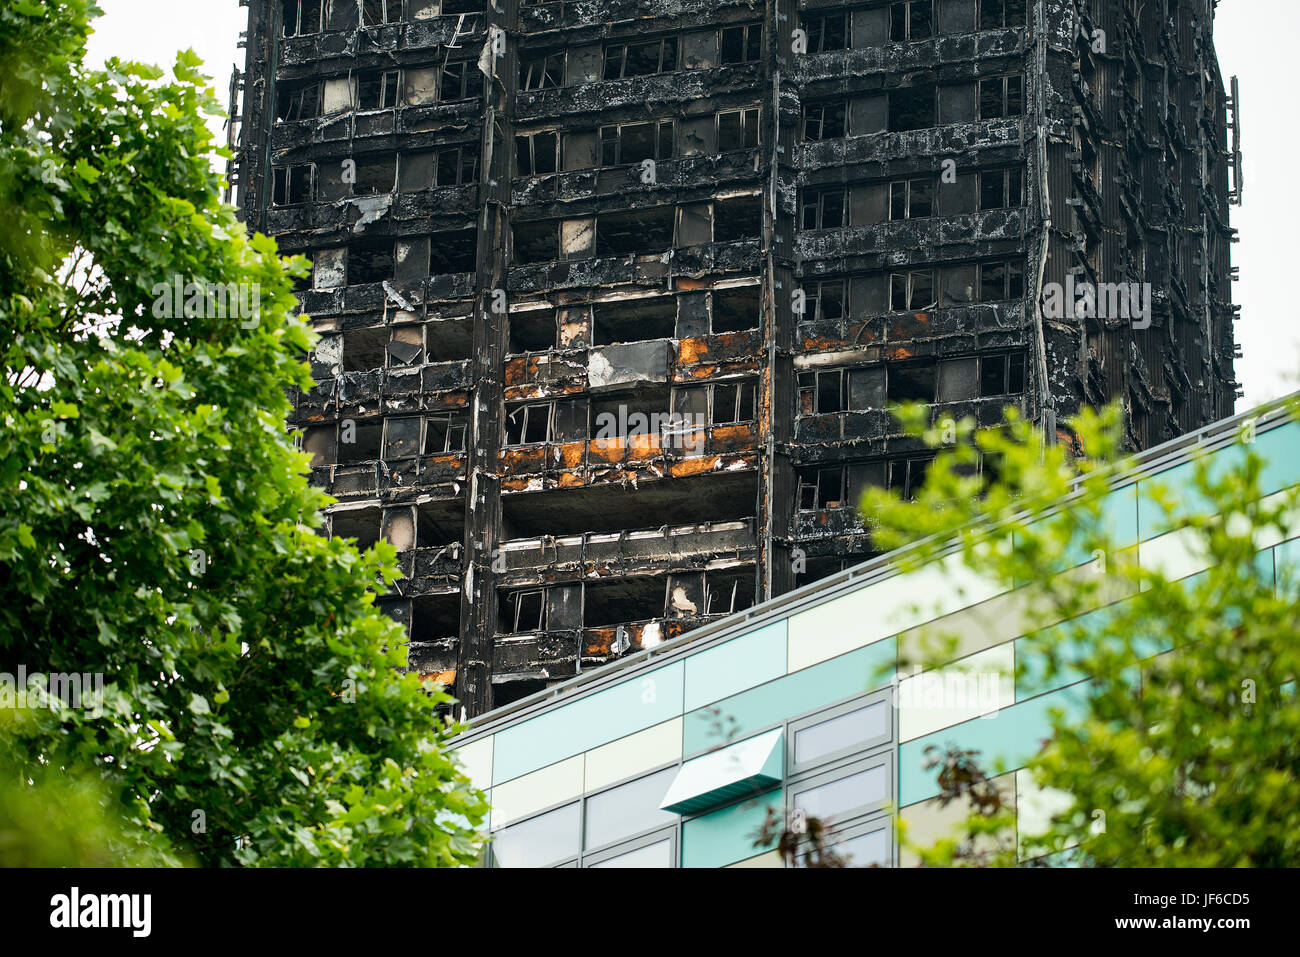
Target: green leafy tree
156, 524
1185, 746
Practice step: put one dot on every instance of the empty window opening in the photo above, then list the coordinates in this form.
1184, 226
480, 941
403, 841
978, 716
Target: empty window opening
456, 166
741, 44
641, 59
459, 80
1002, 374
445, 433
735, 310
737, 130
542, 73
359, 441
377, 90
907, 476
911, 20
632, 414
912, 108
406, 348
401, 437
912, 290
634, 320
450, 340
823, 208
999, 14
536, 242
299, 102
823, 392
538, 154
1001, 96
293, 185
1000, 281
1001, 189
912, 383
911, 199
302, 17
737, 219
621, 601
376, 175
362, 524
463, 6
439, 523
453, 252
822, 488
376, 12
636, 142
363, 349
529, 424
726, 593
523, 612
822, 299
827, 31
824, 121
635, 232
435, 617
733, 402
532, 331
370, 260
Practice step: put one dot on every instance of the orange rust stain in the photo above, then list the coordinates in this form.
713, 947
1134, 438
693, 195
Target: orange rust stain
642, 446
444, 678
515, 485
733, 437
898, 352
692, 350
573, 454
705, 463
525, 458
682, 282
572, 480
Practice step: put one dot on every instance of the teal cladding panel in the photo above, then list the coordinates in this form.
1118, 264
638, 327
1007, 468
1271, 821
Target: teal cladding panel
736, 665
727, 836
629, 706
813, 687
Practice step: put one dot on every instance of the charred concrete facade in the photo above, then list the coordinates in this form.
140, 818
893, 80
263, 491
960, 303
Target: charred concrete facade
614, 295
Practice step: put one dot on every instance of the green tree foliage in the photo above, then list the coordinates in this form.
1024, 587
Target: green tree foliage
156, 525
1185, 745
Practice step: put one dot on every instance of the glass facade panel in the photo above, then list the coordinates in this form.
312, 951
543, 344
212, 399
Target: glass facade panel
869, 787
659, 854
847, 731
545, 839
629, 809
866, 850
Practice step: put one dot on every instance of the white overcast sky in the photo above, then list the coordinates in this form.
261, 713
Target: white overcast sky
1255, 39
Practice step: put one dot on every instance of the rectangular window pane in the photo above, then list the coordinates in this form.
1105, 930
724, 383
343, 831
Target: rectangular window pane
866, 850
847, 731
546, 839
866, 788
659, 854
628, 809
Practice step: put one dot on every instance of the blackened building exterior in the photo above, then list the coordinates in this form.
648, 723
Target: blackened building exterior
614, 296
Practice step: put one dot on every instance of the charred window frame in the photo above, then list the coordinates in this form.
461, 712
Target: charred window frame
823, 392
627, 143
649, 57
445, 433
999, 281
907, 476
825, 120
911, 20
727, 593
1002, 374
542, 73
301, 17
822, 488
375, 175
530, 424
377, 12
824, 299
731, 403
525, 611
456, 166
537, 154
740, 44
378, 89
912, 289
911, 198
1000, 14
823, 208
459, 80
1001, 97
299, 102
293, 185
827, 31
1002, 189
737, 129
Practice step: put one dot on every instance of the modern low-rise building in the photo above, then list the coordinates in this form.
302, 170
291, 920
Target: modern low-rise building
673, 757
